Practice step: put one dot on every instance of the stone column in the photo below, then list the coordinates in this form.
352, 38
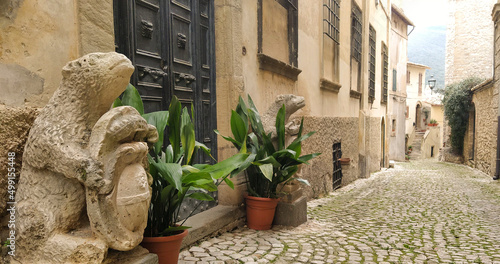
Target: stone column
230, 84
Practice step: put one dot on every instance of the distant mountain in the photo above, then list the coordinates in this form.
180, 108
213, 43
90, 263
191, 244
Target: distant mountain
427, 45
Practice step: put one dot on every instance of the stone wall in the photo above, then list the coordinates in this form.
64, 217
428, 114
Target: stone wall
319, 172
485, 129
469, 39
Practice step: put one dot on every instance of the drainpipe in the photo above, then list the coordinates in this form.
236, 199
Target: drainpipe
496, 13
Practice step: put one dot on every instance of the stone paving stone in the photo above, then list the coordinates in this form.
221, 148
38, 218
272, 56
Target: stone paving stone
418, 212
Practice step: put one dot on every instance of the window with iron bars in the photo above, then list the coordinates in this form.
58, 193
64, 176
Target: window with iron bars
385, 72
331, 19
394, 80
372, 42
356, 31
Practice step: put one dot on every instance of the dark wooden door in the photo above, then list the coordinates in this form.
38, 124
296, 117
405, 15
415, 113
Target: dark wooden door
171, 44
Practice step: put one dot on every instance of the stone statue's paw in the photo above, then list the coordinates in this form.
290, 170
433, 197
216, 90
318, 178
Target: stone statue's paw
152, 135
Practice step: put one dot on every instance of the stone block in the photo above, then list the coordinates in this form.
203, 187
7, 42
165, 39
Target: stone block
213, 221
291, 214
291, 196
139, 255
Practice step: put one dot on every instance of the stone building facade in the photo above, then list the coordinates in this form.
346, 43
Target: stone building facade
398, 92
472, 50
415, 86
336, 54
480, 138
469, 38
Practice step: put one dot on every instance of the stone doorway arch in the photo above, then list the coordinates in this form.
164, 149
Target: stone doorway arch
418, 117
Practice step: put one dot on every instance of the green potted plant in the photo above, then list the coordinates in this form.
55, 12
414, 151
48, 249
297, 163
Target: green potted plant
175, 177
433, 122
274, 163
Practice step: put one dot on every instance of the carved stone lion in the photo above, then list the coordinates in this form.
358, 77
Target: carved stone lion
292, 104
83, 185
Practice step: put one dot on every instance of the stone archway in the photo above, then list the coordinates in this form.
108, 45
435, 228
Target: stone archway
418, 117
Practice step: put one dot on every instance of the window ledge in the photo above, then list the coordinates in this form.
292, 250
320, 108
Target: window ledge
329, 85
355, 94
271, 64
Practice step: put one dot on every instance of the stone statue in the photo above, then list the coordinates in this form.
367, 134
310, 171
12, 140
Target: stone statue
83, 186
292, 208
292, 104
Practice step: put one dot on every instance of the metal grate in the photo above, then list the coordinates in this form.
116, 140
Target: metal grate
356, 31
331, 19
372, 43
394, 80
337, 169
385, 72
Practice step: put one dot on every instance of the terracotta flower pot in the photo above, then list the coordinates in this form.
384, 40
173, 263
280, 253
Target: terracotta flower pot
345, 161
167, 248
260, 212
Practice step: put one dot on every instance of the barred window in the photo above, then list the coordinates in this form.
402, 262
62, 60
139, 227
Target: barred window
394, 80
373, 49
356, 31
331, 19
385, 72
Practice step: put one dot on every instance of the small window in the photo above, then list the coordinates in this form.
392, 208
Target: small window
385, 72
356, 32
408, 77
373, 48
356, 50
277, 37
331, 19
419, 84
331, 24
393, 125
394, 80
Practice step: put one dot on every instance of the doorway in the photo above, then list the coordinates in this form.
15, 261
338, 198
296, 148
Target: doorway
382, 143
172, 46
418, 117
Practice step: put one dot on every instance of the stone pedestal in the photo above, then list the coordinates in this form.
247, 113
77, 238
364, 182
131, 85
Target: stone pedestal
291, 214
292, 207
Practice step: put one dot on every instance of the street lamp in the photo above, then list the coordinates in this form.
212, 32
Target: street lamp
432, 82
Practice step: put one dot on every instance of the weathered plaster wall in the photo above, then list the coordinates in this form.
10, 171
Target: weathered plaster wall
398, 57
37, 38
397, 128
437, 113
469, 40
430, 143
329, 130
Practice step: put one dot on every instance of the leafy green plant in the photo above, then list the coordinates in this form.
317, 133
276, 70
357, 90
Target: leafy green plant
433, 121
175, 177
456, 101
274, 163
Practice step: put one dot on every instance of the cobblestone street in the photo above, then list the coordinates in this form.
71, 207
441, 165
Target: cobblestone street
418, 212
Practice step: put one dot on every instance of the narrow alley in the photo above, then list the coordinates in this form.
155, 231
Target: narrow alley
418, 212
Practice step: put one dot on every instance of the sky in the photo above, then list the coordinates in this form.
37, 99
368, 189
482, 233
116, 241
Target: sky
425, 13
427, 41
